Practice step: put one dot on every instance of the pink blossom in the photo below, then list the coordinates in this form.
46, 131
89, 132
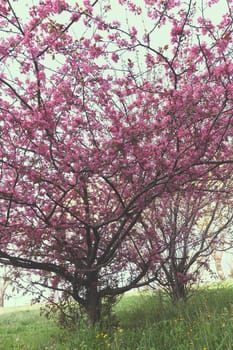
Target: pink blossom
115, 57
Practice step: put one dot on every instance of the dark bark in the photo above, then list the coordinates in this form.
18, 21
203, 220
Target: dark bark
93, 301
178, 292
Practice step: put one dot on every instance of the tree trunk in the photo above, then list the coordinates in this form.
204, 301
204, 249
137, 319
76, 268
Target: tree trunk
178, 292
1, 299
93, 305
2, 294
218, 255
218, 264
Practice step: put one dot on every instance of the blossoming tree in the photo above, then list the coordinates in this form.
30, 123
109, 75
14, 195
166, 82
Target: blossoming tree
96, 121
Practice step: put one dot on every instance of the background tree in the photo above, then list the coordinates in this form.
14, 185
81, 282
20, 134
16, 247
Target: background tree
188, 230
218, 255
89, 138
8, 278
4, 284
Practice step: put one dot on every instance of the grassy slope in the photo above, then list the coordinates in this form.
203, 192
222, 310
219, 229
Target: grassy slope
23, 328
146, 322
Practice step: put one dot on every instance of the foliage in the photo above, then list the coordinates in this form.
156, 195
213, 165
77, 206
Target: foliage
97, 121
65, 312
69, 314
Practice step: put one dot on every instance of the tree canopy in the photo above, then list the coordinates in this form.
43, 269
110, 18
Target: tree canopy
97, 120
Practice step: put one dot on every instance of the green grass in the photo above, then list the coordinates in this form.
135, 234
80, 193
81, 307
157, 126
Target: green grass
146, 321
